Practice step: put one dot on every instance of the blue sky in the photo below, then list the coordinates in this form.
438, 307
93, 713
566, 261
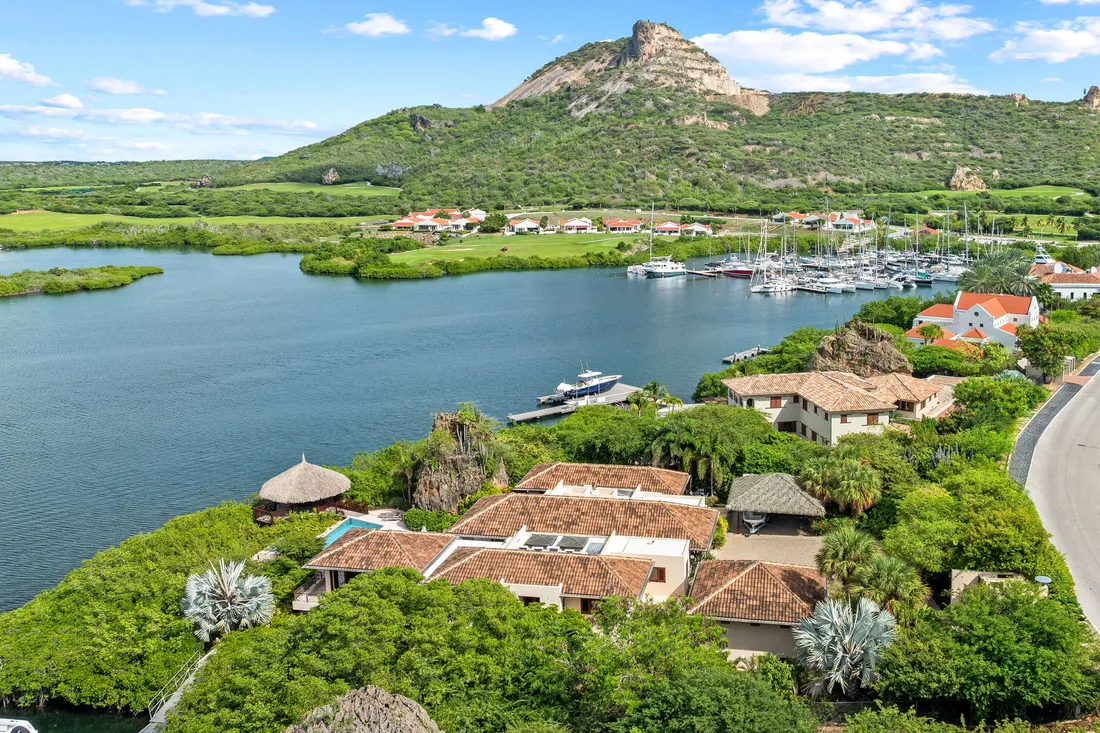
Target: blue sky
154, 79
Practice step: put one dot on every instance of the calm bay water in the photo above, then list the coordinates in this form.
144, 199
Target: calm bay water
120, 409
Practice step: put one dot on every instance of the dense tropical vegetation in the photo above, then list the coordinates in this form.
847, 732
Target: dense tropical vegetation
59, 280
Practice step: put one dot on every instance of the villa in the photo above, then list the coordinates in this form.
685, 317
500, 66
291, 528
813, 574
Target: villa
669, 228
756, 603
623, 226
578, 225
437, 220
696, 230
524, 226
1069, 282
980, 318
825, 406
603, 480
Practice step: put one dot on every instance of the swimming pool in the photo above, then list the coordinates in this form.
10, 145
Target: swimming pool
337, 530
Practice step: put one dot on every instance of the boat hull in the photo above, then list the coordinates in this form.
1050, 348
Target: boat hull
656, 275
588, 390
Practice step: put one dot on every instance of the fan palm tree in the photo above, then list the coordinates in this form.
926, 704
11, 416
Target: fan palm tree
841, 644
224, 599
817, 477
1007, 271
843, 551
855, 486
890, 582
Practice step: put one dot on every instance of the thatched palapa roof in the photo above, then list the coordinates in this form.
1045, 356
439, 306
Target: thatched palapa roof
304, 483
774, 493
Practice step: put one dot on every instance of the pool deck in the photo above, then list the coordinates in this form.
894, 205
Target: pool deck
383, 516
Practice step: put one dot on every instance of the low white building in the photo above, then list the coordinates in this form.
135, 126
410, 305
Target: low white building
1069, 282
981, 317
668, 228
524, 226
696, 230
578, 225
623, 226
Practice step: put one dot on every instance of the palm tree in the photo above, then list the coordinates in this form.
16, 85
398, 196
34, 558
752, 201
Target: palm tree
410, 456
856, 486
1007, 272
817, 477
658, 394
890, 582
843, 551
223, 599
841, 644
930, 332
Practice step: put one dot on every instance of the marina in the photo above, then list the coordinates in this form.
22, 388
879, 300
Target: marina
617, 395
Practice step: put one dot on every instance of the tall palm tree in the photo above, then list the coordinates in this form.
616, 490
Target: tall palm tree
890, 582
856, 486
224, 599
410, 456
658, 394
843, 551
1006, 271
817, 477
841, 644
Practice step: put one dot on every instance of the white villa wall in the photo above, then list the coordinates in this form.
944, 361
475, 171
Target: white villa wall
1075, 291
549, 595
672, 555
828, 426
749, 640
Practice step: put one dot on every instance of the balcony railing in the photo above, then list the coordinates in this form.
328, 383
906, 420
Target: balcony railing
309, 593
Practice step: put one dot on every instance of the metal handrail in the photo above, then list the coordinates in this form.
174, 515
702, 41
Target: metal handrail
170, 687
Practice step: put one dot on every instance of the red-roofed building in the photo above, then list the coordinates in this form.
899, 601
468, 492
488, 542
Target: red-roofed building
982, 317
669, 228
623, 226
578, 225
405, 224
524, 226
1069, 282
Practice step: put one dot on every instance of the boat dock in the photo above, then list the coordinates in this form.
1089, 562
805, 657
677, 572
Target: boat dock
703, 273
614, 396
747, 354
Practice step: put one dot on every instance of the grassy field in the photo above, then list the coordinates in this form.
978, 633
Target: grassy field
1049, 192
341, 189
542, 245
37, 221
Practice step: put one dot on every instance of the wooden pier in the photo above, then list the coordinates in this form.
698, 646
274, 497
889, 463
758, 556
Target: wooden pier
703, 273
614, 396
747, 354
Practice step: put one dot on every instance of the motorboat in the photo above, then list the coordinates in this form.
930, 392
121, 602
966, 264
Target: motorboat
664, 267
588, 383
12, 725
773, 286
832, 284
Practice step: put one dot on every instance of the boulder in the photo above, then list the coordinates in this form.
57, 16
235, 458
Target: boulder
995, 175
1021, 99
1092, 97
445, 480
861, 349
965, 179
329, 177
367, 710
204, 182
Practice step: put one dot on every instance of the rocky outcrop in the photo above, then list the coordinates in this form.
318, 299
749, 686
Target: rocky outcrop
368, 710
450, 475
420, 123
965, 179
204, 182
1021, 100
806, 106
995, 175
861, 349
1092, 97
654, 56
700, 120
329, 177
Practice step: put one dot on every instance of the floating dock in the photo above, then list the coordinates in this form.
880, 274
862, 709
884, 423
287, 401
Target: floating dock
703, 273
748, 354
614, 396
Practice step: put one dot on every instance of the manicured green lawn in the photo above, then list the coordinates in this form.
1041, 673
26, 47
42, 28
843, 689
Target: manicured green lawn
542, 245
36, 221
340, 189
1042, 191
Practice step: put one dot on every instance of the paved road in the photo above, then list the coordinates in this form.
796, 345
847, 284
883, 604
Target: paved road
1064, 482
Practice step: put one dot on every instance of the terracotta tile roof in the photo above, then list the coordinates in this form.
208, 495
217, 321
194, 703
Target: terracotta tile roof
1017, 304
912, 332
906, 387
939, 310
993, 307
955, 345
669, 225
594, 576
546, 476
1072, 278
833, 391
1009, 328
757, 592
623, 222
974, 333
362, 549
503, 515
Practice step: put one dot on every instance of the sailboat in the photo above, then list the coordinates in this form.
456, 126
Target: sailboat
768, 284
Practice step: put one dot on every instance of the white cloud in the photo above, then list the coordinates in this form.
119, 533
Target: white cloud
111, 85
81, 138
492, 29
930, 82
1068, 2
469, 96
558, 38
898, 18
203, 8
16, 70
203, 122
64, 101
378, 24
1054, 44
440, 30
1052, 80
807, 50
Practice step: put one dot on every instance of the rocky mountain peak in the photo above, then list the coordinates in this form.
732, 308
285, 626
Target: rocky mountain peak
1092, 97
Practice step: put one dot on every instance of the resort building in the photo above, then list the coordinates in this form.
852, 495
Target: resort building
596, 479
825, 406
1069, 282
453, 220
669, 228
578, 225
431, 225
623, 226
980, 318
696, 230
524, 226
791, 216
757, 603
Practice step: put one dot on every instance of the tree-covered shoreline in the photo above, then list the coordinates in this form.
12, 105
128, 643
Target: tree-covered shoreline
57, 280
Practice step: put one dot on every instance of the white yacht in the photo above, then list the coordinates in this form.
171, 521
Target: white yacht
832, 284
664, 267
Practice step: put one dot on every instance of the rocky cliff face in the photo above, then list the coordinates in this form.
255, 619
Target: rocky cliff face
330, 177
446, 479
861, 349
965, 179
654, 56
1092, 97
369, 710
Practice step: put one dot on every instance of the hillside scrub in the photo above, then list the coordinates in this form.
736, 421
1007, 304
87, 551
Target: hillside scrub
111, 633
58, 280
